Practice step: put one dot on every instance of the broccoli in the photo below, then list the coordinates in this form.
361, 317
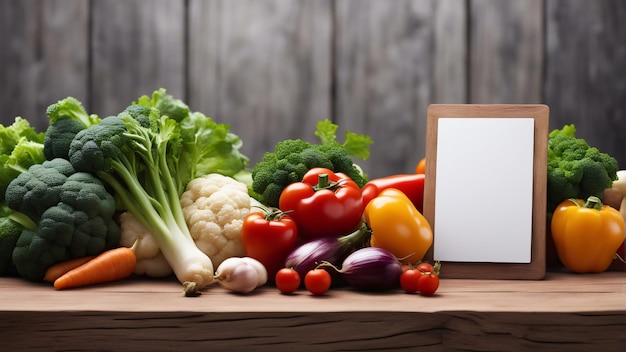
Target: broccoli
65, 214
576, 170
292, 158
147, 159
67, 117
10, 231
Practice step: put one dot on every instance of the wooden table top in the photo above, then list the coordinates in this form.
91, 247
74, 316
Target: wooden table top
558, 292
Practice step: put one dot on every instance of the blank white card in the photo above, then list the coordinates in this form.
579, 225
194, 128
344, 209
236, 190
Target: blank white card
484, 190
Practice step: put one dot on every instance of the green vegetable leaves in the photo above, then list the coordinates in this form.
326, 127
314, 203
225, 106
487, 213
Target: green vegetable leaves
356, 145
20, 147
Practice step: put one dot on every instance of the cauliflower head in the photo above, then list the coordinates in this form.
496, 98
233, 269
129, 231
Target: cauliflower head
214, 207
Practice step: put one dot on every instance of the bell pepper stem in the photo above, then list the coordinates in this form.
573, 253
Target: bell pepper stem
593, 202
322, 181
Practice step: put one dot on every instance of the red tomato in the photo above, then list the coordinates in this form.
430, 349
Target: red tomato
408, 280
427, 284
425, 267
268, 237
287, 280
323, 206
317, 281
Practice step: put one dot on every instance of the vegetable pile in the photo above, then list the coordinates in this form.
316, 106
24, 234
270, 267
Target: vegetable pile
159, 190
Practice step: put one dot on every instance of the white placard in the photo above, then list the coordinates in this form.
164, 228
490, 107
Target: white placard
484, 190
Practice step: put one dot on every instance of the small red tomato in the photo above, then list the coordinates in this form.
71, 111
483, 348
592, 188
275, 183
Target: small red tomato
428, 284
269, 236
425, 267
317, 281
408, 280
287, 280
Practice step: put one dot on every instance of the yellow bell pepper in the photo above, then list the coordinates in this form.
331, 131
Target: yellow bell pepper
586, 234
398, 226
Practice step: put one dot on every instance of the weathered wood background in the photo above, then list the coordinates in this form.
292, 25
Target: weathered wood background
273, 68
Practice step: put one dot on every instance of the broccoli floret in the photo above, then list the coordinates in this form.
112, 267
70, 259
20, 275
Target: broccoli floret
10, 231
67, 117
72, 215
576, 170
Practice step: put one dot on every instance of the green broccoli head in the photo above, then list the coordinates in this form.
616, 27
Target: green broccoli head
67, 117
73, 213
576, 170
291, 159
36, 190
10, 231
92, 149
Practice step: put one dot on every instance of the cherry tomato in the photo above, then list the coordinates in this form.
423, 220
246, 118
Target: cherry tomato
421, 167
425, 267
269, 236
427, 284
287, 280
409, 279
317, 281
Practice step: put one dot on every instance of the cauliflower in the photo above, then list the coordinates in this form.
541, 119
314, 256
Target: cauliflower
214, 207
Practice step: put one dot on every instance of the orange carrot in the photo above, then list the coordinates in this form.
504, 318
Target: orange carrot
57, 270
112, 265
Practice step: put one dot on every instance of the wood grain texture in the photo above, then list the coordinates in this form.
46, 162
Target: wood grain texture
263, 67
585, 70
506, 56
44, 56
272, 68
564, 312
450, 53
135, 48
384, 78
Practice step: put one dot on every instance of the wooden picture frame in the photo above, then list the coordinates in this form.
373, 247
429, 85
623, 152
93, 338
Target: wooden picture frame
513, 165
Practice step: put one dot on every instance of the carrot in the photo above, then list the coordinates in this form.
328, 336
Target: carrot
112, 265
57, 270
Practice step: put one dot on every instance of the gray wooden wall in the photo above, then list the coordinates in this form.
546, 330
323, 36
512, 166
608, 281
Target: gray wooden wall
273, 68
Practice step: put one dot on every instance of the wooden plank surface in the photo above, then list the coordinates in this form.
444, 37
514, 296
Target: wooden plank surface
585, 70
136, 48
384, 77
273, 68
43, 56
557, 293
564, 312
263, 67
506, 56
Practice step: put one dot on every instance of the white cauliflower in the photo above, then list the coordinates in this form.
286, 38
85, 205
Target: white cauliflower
214, 207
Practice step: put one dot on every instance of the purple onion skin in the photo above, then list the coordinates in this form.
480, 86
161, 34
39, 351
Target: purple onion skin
310, 254
371, 269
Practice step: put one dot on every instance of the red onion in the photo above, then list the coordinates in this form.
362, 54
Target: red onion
371, 269
326, 249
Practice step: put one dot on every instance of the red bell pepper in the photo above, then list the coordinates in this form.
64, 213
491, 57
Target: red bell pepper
412, 185
324, 204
